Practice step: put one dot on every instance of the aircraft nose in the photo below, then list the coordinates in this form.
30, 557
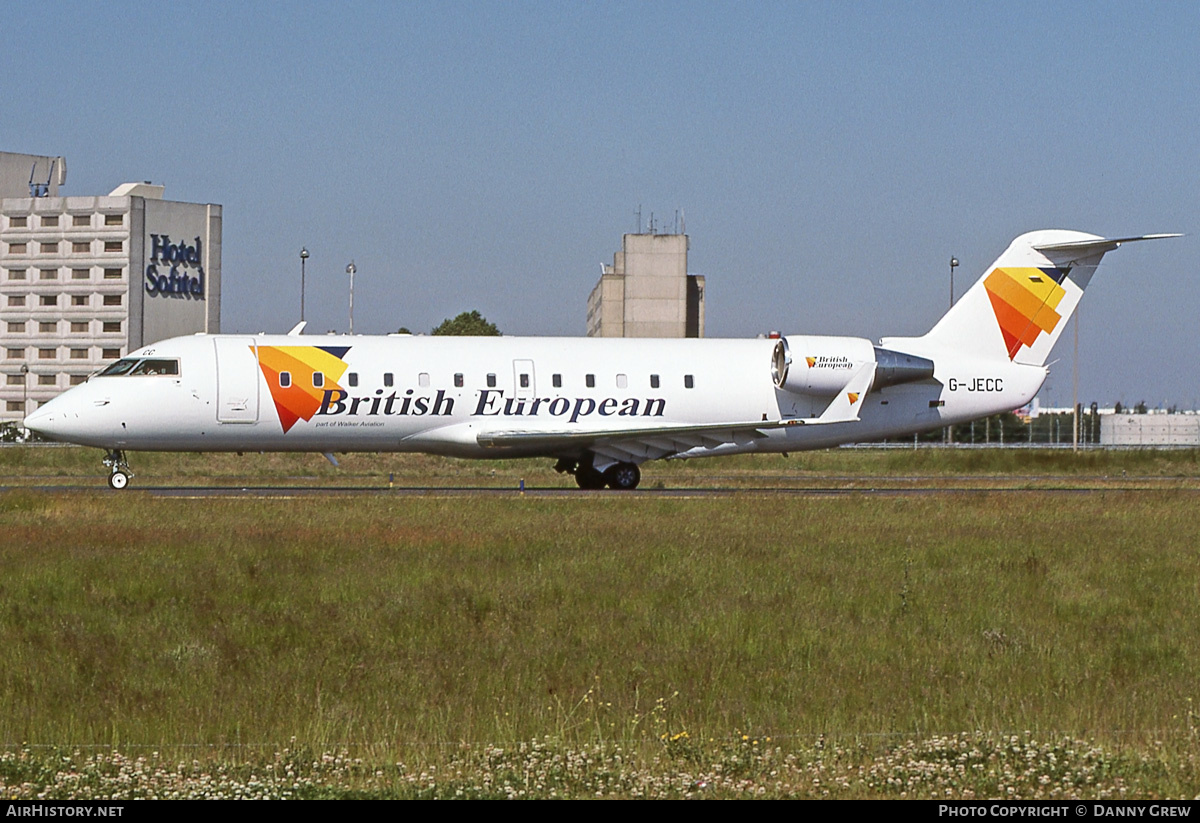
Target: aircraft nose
61, 419
46, 421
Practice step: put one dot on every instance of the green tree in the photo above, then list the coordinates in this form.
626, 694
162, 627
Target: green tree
469, 323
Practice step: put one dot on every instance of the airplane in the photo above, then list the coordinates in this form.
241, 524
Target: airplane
600, 407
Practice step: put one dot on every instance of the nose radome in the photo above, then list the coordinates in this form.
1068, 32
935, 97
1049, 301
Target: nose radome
50, 419
41, 420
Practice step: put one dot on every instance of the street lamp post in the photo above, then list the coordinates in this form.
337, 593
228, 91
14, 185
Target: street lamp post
25, 393
350, 270
303, 260
953, 265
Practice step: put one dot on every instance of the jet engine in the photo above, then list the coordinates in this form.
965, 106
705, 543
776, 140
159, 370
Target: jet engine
822, 366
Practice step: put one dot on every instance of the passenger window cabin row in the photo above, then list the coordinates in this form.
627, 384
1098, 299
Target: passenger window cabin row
524, 380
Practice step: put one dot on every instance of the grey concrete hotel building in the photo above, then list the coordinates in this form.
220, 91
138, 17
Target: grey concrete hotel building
84, 280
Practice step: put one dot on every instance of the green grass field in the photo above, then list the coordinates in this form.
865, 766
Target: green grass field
388, 645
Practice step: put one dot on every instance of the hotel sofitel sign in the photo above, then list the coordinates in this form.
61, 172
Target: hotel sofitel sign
175, 283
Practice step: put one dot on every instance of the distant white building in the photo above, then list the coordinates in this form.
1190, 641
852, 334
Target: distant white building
1150, 429
85, 280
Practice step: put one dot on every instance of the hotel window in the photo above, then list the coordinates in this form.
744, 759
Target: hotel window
77, 379
48, 248
112, 299
48, 274
47, 328
16, 380
17, 248
48, 300
114, 220
16, 274
80, 274
79, 299
16, 405
49, 220
78, 327
18, 222
79, 354
81, 247
47, 380
81, 220
114, 245
16, 300
112, 327
112, 274
47, 354
16, 328
318, 380
110, 354
16, 354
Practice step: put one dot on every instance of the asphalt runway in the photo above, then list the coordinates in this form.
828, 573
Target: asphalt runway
293, 492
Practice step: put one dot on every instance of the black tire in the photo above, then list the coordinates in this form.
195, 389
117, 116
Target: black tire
118, 480
623, 476
589, 478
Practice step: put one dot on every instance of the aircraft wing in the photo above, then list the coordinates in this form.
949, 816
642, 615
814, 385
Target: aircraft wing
638, 444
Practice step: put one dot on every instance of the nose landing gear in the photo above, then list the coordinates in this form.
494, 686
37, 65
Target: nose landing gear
119, 471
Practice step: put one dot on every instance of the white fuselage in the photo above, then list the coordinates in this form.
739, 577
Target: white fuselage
440, 394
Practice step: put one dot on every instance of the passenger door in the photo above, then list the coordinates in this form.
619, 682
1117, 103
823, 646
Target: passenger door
237, 379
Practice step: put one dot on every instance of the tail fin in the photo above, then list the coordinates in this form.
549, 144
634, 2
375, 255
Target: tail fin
1021, 305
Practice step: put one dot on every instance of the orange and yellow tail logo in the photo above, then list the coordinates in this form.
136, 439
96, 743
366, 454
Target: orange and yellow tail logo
1025, 302
300, 399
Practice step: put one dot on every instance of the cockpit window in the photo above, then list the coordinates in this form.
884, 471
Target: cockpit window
132, 367
120, 367
148, 366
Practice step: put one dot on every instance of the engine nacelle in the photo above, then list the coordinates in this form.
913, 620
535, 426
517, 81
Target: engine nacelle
818, 366
822, 366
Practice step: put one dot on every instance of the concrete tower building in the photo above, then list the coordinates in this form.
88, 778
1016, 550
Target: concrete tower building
647, 291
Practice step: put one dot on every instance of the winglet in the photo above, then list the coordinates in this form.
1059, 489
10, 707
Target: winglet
846, 403
297, 329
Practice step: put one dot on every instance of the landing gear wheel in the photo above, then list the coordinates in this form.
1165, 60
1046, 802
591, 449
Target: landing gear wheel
623, 476
118, 467
589, 479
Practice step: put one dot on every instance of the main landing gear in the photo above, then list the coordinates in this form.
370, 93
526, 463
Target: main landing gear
619, 476
119, 471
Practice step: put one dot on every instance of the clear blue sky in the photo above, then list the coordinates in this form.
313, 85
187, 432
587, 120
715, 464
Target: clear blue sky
829, 157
